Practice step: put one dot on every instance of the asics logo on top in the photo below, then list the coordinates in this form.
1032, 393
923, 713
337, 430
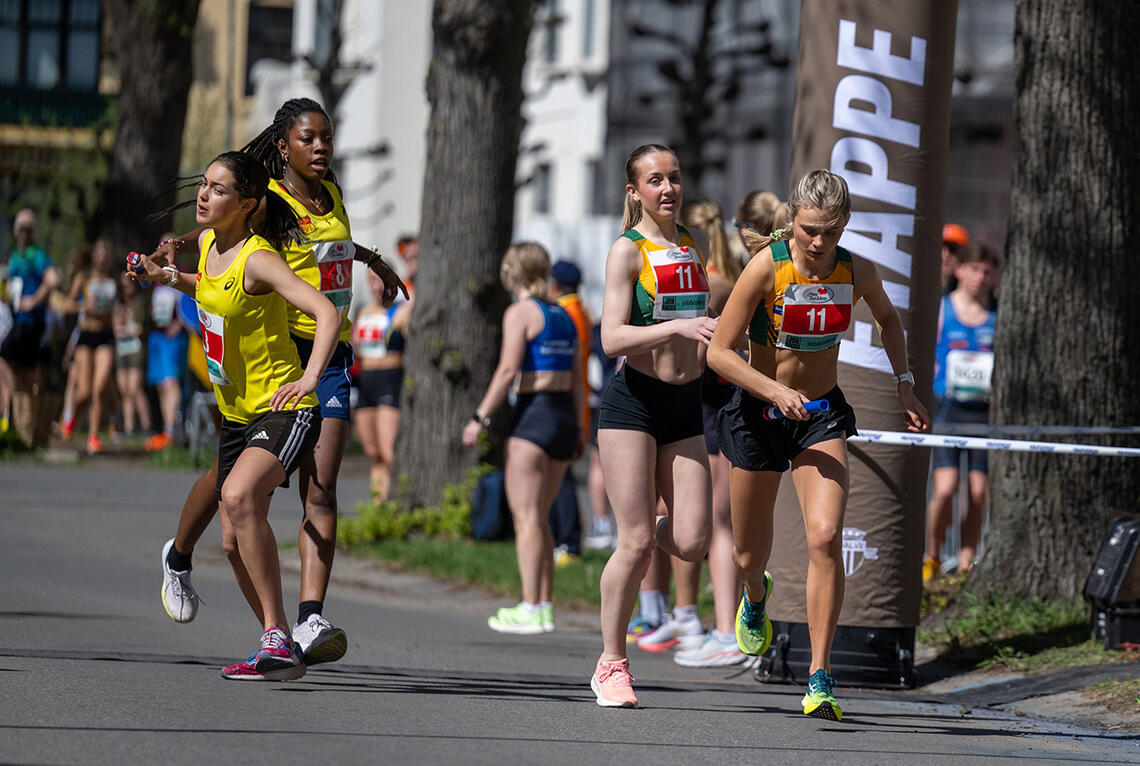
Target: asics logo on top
230, 282
333, 402
262, 434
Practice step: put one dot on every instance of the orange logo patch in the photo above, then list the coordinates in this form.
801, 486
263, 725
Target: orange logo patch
306, 225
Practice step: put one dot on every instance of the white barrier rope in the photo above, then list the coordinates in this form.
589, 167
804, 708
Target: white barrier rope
1006, 445
981, 429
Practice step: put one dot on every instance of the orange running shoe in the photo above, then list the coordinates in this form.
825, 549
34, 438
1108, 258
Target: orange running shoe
66, 428
159, 441
94, 446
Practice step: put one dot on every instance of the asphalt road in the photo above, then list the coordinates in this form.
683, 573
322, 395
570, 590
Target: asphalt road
93, 671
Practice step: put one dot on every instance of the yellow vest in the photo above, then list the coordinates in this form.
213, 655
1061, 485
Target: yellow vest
323, 258
249, 353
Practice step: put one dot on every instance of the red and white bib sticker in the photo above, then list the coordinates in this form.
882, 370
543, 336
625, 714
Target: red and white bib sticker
814, 316
334, 261
969, 375
214, 342
370, 331
682, 285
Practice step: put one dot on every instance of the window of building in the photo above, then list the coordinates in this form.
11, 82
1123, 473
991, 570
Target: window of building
540, 181
270, 37
550, 21
48, 44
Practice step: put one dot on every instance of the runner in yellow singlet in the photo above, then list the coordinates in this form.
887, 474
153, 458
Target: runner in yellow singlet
297, 151
270, 413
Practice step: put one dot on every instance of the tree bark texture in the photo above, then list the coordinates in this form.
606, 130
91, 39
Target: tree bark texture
474, 86
1068, 339
153, 39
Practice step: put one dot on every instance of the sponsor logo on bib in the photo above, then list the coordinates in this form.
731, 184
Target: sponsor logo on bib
856, 552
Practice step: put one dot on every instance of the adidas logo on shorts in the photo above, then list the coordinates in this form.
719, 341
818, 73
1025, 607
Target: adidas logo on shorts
333, 402
262, 434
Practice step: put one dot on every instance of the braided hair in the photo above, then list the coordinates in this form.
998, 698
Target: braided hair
263, 147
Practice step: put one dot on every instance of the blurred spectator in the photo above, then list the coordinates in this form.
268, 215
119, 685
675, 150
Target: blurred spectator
31, 279
408, 248
760, 210
954, 238
129, 356
166, 348
964, 359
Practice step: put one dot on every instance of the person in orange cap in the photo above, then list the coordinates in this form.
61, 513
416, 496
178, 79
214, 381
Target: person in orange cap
954, 237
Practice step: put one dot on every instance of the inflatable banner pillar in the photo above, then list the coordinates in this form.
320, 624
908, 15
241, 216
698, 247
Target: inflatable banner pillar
873, 105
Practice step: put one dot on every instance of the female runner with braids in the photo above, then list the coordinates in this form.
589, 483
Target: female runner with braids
297, 150
650, 436
795, 298
270, 414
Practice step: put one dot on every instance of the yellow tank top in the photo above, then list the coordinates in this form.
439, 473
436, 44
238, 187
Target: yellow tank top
323, 258
672, 283
249, 354
804, 314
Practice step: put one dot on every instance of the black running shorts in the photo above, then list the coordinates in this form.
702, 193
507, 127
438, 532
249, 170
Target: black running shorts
289, 434
669, 412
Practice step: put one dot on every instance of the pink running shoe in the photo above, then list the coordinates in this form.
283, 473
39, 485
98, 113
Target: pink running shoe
613, 684
278, 659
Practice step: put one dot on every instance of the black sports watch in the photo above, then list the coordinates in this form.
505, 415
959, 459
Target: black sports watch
482, 420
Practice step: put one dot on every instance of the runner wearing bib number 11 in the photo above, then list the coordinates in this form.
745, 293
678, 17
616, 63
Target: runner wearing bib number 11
270, 414
297, 151
795, 298
650, 434
964, 362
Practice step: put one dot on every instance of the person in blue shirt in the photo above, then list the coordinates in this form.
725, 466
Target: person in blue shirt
31, 279
964, 360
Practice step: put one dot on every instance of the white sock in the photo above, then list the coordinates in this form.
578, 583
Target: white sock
685, 613
531, 607
724, 638
652, 605
545, 604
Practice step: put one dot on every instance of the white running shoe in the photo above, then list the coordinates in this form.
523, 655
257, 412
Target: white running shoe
715, 651
179, 598
601, 535
673, 633
319, 640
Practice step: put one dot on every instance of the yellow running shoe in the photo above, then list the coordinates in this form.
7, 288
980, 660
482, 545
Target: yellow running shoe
819, 702
753, 628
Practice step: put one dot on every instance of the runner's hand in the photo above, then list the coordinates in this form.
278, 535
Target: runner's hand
471, 433
392, 282
152, 271
915, 415
165, 254
791, 404
292, 392
697, 328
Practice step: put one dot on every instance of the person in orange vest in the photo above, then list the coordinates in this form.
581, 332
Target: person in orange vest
564, 517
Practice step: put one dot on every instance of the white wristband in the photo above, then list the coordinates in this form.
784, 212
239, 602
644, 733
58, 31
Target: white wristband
906, 377
173, 272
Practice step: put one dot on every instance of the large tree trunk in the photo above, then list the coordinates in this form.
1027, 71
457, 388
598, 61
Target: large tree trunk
1068, 339
153, 40
475, 89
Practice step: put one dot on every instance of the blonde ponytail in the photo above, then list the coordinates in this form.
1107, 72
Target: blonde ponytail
630, 213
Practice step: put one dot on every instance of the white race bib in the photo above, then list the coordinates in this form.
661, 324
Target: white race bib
968, 375
682, 286
815, 315
334, 261
214, 343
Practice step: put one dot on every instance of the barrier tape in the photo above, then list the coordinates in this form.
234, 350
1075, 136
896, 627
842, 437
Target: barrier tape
1005, 445
983, 429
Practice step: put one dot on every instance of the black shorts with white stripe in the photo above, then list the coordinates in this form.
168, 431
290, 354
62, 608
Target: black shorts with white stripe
290, 435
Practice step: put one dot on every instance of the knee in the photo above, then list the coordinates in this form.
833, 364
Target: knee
638, 545
824, 540
693, 551
237, 505
320, 501
748, 562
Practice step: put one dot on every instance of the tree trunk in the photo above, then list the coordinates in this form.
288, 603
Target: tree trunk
153, 39
1068, 340
474, 86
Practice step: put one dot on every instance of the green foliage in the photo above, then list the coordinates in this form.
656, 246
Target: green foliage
450, 518
12, 446
1021, 634
181, 457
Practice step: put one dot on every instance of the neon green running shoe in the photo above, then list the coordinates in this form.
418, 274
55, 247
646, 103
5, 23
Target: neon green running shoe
819, 702
521, 619
753, 628
548, 618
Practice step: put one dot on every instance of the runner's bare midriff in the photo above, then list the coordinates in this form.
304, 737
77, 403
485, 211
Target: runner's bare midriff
678, 360
812, 373
390, 361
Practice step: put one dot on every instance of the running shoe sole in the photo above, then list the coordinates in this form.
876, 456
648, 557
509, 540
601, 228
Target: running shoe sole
824, 709
602, 701
289, 673
767, 640
660, 646
719, 660
328, 648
